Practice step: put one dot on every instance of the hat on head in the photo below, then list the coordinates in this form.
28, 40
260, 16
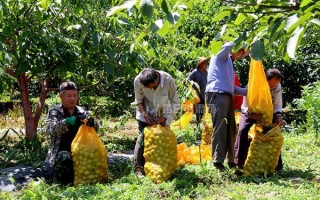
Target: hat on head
202, 60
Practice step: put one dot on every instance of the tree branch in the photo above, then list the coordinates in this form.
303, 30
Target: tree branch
10, 72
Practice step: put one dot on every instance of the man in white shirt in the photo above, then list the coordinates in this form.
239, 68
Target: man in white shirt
242, 143
157, 102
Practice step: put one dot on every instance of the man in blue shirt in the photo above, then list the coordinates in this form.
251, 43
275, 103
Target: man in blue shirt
219, 96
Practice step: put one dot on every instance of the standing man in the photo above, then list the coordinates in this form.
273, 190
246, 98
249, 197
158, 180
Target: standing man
62, 125
199, 76
219, 96
157, 102
242, 144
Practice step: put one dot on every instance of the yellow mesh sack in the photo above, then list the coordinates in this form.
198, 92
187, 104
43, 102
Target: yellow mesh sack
89, 157
160, 152
180, 151
264, 152
259, 96
184, 120
196, 98
207, 128
197, 154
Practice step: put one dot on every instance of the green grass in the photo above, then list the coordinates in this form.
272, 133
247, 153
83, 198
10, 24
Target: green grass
300, 178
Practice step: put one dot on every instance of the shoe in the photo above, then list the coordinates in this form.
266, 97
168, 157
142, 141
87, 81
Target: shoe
231, 165
219, 166
139, 171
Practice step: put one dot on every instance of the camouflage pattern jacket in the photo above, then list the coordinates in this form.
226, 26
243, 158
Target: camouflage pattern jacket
56, 126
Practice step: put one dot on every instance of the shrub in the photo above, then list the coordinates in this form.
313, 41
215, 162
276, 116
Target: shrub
310, 102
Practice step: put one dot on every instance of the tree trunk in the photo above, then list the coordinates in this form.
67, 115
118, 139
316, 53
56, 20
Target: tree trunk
30, 125
42, 99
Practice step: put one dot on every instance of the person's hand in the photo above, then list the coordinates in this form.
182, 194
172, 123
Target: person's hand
149, 120
81, 117
256, 116
278, 120
161, 121
90, 121
71, 120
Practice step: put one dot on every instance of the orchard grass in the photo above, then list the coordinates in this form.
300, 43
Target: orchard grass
300, 178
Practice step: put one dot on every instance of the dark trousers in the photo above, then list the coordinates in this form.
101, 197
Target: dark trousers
139, 147
224, 132
199, 110
63, 168
242, 143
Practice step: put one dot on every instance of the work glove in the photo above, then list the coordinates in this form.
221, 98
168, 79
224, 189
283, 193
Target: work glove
71, 120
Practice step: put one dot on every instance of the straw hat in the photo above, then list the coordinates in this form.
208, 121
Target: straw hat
202, 60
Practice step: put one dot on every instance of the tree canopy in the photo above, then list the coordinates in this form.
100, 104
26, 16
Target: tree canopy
102, 45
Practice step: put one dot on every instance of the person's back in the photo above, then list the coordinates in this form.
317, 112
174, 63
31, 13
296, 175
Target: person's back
220, 72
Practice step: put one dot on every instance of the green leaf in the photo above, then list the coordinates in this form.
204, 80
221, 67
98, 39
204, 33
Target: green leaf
7, 58
221, 33
232, 32
71, 27
146, 7
227, 38
173, 17
165, 6
276, 29
315, 21
241, 17
257, 50
96, 38
220, 16
127, 5
132, 47
215, 46
142, 35
293, 21
1, 14
305, 2
165, 29
157, 25
84, 70
109, 67
45, 4
294, 41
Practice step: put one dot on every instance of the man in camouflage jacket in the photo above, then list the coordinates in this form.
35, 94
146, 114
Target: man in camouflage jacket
62, 125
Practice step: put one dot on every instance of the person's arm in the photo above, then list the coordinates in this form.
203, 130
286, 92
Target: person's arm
149, 119
277, 100
139, 98
225, 52
240, 91
174, 103
55, 123
277, 106
138, 94
90, 120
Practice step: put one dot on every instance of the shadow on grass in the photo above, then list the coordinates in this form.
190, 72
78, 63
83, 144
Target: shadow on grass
188, 179
284, 177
